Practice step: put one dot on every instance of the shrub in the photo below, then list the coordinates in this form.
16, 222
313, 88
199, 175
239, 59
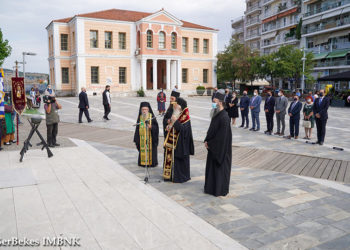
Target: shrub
140, 92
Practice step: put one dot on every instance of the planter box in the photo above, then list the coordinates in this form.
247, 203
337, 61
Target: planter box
200, 91
209, 91
338, 103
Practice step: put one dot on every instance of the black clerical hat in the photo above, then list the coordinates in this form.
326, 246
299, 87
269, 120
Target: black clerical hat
219, 96
175, 94
144, 104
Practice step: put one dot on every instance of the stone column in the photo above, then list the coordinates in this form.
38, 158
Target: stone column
168, 69
155, 74
179, 74
173, 75
144, 73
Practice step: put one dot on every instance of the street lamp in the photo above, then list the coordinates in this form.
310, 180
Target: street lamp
24, 62
303, 79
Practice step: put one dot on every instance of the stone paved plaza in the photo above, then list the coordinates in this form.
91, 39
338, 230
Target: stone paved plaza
100, 182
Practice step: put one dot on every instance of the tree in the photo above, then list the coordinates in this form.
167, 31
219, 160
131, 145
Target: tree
5, 49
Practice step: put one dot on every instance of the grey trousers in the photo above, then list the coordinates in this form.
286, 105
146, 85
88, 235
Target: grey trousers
281, 119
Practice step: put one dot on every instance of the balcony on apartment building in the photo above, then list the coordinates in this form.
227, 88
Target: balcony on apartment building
265, 2
252, 21
252, 35
253, 8
282, 8
325, 7
237, 31
327, 25
279, 41
337, 63
279, 25
327, 48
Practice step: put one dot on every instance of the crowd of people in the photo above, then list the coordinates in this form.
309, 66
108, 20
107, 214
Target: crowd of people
314, 111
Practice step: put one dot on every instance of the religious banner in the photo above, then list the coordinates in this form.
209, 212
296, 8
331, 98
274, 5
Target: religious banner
18, 94
2, 95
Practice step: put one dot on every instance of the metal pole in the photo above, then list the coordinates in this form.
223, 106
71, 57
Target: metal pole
24, 72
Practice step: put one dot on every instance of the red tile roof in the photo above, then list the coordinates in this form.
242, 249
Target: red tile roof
125, 15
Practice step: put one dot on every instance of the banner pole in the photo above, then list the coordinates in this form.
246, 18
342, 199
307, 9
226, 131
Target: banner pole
17, 129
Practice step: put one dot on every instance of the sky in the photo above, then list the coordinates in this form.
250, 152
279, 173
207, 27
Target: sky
23, 22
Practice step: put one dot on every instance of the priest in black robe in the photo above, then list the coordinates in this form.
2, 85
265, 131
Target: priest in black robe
219, 145
169, 112
178, 144
146, 136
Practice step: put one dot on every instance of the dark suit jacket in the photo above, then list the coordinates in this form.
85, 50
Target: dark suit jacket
296, 110
228, 100
322, 108
244, 103
270, 104
104, 98
83, 100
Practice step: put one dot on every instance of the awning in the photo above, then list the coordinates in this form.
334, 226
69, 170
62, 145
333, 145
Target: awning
320, 56
332, 14
344, 76
340, 33
269, 35
320, 39
339, 53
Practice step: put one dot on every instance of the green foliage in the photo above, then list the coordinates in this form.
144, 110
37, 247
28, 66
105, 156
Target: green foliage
299, 28
140, 92
5, 49
200, 88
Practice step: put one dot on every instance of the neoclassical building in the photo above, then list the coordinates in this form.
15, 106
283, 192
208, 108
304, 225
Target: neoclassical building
129, 50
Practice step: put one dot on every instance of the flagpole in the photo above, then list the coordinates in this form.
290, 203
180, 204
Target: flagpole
12, 103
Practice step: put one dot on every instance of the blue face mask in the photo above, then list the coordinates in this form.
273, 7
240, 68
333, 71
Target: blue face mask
213, 105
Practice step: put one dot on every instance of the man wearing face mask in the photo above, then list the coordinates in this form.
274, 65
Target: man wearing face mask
254, 104
244, 107
294, 120
218, 142
321, 116
269, 108
281, 110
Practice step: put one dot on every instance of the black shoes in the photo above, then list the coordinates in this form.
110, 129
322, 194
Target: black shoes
252, 129
241, 126
56, 145
256, 130
90, 121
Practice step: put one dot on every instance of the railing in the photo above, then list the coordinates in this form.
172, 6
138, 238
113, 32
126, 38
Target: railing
253, 34
253, 8
279, 41
328, 7
330, 24
237, 31
332, 63
281, 8
279, 26
253, 21
329, 47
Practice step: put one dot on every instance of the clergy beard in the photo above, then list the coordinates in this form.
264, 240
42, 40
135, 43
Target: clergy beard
214, 112
176, 112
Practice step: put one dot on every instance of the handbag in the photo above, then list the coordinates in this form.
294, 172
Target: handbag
306, 124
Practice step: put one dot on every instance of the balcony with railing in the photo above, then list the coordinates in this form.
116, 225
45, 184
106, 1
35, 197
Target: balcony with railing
282, 8
253, 8
252, 21
327, 7
329, 47
253, 34
273, 27
268, 2
331, 23
237, 31
332, 63
279, 41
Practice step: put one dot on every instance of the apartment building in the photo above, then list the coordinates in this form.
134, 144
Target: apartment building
326, 33
252, 26
238, 29
129, 50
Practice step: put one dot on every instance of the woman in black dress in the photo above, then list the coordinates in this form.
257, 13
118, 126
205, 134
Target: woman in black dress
233, 108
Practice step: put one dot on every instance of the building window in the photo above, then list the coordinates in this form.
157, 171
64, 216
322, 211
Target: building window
161, 40
185, 44
64, 42
173, 40
94, 75
65, 75
122, 40
205, 46
122, 74
93, 38
73, 41
108, 40
205, 75
184, 75
195, 45
149, 39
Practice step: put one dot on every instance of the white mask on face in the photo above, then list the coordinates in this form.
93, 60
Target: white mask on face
255, 93
279, 94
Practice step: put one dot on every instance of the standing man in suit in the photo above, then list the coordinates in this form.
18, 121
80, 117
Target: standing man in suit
244, 106
281, 110
83, 105
254, 105
227, 99
294, 120
269, 108
106, 96
321, 114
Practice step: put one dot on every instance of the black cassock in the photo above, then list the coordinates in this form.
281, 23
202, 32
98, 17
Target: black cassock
166, 118
219, 159
183, 150
155, 140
